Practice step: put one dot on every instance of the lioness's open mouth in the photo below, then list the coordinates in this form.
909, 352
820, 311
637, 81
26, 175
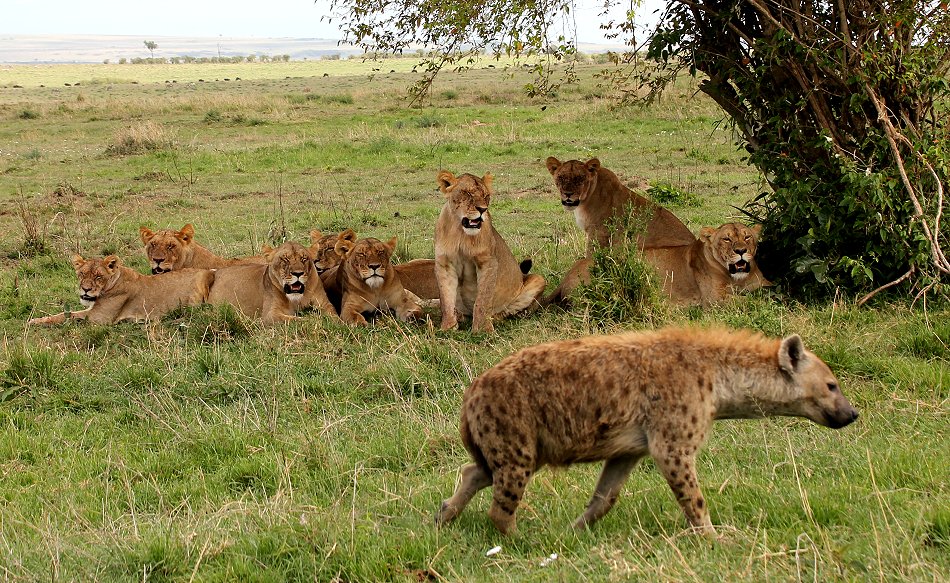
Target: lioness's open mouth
468, 223
567, 202
293, 288
741, 266
87, 298
159, 271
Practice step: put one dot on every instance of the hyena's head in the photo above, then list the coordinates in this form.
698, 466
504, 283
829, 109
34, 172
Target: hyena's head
815, 393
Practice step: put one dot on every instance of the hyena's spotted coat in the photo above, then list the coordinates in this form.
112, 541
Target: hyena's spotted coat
619, 398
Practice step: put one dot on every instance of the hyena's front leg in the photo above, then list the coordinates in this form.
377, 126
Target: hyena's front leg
677, 463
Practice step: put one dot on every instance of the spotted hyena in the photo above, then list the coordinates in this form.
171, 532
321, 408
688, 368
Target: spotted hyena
619, 398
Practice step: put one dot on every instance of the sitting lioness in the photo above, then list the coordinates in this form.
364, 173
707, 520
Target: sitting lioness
716, 265
597, 198
169, 250
369, 283
275, 291
477, 273
112, 292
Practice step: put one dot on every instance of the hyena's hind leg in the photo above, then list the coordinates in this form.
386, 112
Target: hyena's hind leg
612, 478
508, 484
474, 478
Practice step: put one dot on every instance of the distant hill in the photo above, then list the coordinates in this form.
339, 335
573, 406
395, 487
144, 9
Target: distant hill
96, 49
31, 49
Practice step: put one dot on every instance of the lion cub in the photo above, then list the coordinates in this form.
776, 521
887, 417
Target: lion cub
169, 250
477, 273
716, 265
597, 197
112, 292
369, 283
275, 291
620, 398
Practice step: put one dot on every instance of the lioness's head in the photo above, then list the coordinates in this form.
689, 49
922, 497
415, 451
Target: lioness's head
367, 259
95, 277
290, 266
818, 396
733, 246
574, 179
323, 248
469, 196
166, 248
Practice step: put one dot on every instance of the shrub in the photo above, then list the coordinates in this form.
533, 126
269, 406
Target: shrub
668, 195
28, 114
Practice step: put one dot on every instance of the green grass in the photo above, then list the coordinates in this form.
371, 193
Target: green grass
207, 447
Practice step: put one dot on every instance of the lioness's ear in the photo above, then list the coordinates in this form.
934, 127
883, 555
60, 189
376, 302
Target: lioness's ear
790, 353
78, 261
343, 247
593, 165
488, 179
266, 249
315, 236
391, 245
706, 233
446, 181
187, 233
349, 235
756, 230
146, 234
111, 261
553, 164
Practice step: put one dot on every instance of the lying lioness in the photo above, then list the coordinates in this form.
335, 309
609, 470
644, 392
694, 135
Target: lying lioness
112, 292
169, 250
716, 265
276, 291
369, 283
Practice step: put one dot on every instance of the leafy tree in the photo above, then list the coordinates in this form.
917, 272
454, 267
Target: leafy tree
151, 46
840, 103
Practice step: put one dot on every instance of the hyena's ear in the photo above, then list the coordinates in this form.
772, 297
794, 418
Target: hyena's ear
391, 245
553, 164
791, 352
446, 181
187, 233
343, 247
77, 261
146, 234
593, 165
488, 179
706, 234
347, 235
111, 262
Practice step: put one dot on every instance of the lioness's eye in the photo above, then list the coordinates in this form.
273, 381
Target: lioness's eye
832, 387
727, 239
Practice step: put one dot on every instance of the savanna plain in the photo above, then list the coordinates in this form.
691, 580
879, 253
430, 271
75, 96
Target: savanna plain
206, 447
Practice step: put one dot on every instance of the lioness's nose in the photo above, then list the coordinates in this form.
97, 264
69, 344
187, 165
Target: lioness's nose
481, 210
297, 274
375, 266
741, 251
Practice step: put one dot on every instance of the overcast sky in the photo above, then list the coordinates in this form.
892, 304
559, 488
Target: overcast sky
211, 18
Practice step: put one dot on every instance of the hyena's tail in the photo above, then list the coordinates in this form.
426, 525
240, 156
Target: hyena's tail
468, 441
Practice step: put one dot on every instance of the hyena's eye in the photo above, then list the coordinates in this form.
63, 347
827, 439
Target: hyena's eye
833, 387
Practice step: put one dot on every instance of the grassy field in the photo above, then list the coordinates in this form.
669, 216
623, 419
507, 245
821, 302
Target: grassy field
207, 448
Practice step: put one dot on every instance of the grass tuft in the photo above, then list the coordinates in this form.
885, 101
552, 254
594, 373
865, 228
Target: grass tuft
139, 138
